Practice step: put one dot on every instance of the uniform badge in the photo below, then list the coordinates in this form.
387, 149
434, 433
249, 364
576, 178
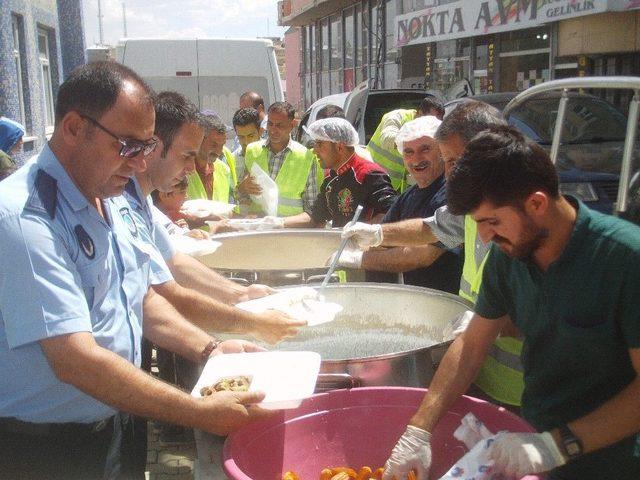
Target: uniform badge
345, 201
86, 244
129, 221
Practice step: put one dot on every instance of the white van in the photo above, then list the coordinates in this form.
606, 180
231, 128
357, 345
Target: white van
211, 72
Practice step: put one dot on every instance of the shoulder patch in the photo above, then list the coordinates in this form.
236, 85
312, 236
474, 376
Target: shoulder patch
86, 243
129, 221
44, 197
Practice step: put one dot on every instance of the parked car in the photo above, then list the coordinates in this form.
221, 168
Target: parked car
591, 146
364, 108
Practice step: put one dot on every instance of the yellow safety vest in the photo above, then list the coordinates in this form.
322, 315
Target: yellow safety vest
391, 160
501, 374
224, 180
292, 177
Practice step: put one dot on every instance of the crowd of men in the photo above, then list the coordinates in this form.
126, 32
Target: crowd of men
463, 203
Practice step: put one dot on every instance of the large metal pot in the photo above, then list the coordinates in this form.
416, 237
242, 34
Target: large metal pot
386, 335
276, 257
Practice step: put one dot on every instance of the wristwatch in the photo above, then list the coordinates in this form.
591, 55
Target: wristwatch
208, 350
571, 444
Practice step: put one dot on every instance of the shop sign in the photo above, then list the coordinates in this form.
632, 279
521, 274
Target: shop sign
473, 18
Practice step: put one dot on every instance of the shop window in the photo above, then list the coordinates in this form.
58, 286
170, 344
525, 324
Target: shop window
44, 56
325, 48
336, 42
363, 46
18, 52
529, 39
391, 49
519, 72
451, 63
349, 39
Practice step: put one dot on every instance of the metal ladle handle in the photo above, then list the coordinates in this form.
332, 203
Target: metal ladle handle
343, 244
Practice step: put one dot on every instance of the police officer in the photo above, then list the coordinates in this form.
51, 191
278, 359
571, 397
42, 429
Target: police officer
74, 283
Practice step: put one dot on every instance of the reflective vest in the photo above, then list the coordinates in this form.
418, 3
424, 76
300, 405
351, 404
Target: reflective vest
501, 374
292, 177
224, 180
391, 160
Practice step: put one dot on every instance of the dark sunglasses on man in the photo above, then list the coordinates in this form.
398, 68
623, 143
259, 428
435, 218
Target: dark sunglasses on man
129, 146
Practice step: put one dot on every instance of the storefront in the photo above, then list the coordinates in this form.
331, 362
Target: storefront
507, 46
497, 45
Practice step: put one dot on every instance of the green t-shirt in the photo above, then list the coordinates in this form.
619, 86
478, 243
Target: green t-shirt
578, 319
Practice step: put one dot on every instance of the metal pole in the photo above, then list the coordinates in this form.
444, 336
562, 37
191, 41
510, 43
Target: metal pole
124, 19
100, 35
627, 156
557, 131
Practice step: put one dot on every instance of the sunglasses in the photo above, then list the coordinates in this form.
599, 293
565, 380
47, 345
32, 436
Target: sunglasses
130, 148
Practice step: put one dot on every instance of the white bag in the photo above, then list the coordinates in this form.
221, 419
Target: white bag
268, 198
475, 464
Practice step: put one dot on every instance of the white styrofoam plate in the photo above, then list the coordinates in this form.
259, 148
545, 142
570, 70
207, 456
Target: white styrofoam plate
194, 247
202, 208
301, 303
286, 378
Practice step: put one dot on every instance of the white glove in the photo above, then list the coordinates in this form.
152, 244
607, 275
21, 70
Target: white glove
273, 222
364, 234
351, 256
520, 454
412, 452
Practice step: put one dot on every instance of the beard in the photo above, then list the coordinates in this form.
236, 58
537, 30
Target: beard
530, 240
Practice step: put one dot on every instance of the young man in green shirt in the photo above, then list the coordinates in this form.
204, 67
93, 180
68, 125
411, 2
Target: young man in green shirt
568, 277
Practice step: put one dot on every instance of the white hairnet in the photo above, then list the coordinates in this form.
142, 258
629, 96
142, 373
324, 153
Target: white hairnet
336, 130
420, 127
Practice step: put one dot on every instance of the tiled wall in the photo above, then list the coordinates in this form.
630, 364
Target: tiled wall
66, 47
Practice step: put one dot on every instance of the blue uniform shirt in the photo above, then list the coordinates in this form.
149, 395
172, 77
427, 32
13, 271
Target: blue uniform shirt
150, 229
63, 269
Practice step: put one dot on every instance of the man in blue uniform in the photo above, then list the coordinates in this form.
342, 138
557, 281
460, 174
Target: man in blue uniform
73, 284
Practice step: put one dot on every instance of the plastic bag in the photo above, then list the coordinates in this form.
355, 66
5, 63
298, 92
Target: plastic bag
475, 465
268, 198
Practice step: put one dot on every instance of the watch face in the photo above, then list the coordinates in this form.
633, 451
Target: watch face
572, 448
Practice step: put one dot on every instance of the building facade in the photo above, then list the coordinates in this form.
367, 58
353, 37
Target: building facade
497, 45
40, 42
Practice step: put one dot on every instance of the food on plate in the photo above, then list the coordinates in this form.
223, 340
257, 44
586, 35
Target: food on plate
346, 473
238, 383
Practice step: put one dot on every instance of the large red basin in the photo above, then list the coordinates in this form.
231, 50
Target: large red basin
353, 428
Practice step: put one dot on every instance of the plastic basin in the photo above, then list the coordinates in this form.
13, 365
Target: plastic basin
353, 428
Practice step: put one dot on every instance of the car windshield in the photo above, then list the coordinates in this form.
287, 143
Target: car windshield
592, 137
587, 120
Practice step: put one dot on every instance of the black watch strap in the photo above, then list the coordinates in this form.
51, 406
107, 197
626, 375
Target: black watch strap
571, 444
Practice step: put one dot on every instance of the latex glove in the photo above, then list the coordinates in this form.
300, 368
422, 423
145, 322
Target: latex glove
273, 222
364, 234
412, 452
351, 256
520, 454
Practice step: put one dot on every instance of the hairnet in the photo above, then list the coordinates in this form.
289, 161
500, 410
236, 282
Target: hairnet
336, 130
420, 127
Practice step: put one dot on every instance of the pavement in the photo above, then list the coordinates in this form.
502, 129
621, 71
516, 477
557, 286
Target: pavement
168, 461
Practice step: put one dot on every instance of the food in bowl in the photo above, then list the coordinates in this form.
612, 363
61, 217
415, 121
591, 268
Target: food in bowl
238, 383
346, 473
